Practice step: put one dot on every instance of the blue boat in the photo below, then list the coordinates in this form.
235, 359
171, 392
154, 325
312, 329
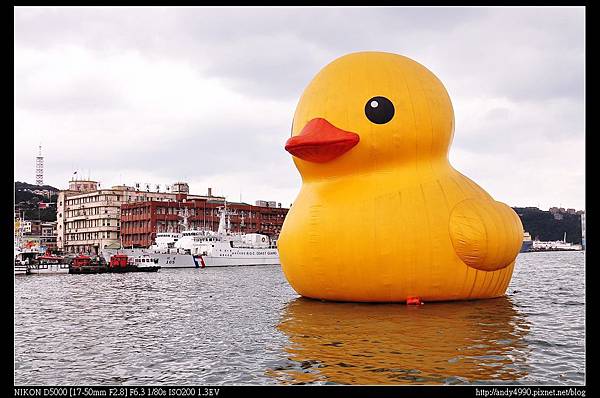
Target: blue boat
527, 243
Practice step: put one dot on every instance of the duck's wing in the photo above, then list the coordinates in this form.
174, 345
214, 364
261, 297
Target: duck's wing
487, 235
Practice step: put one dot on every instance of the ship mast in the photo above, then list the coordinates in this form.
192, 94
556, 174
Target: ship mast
222, 222
228, 221
185, 219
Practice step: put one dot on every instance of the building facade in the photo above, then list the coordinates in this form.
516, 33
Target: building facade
141, 221
48, 235
89, 218
36, 235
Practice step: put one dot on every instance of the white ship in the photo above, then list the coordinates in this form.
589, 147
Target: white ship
227, 250
199, 249
559, 245
165, 241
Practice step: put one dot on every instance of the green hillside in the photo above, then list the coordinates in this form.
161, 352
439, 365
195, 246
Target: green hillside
543, 226
27, 201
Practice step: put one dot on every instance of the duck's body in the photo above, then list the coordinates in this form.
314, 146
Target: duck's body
384, 228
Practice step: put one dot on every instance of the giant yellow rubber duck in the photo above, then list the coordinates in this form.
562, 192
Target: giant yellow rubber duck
382, 216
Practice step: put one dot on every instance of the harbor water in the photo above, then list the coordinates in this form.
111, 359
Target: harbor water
245, 325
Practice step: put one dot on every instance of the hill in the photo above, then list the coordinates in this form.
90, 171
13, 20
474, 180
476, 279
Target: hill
27, 197
544, 226
31, 187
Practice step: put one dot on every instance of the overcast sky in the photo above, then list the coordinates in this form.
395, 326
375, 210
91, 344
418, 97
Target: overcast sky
207, 95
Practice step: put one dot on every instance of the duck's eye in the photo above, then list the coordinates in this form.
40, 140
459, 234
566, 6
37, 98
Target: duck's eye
379, 110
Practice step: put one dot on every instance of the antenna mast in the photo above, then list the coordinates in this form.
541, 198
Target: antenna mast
39, 167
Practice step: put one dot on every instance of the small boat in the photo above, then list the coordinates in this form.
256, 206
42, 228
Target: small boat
83, 264
49, 264
20, 267
527, 243
124, 263
24, 261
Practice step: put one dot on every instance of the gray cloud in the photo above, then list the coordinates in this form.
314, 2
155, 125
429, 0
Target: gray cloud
261, 51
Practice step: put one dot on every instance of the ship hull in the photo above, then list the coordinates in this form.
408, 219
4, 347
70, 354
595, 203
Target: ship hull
168, 260
176, 260
21, 269
119, 270
165, 260
211, 261
49, 269
89, 269
526, 247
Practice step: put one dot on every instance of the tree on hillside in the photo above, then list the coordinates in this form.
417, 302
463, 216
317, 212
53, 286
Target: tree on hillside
543, 226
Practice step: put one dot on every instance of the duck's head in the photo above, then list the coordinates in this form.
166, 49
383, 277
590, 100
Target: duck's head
367, 111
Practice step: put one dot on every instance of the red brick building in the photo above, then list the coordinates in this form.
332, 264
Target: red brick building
140, 221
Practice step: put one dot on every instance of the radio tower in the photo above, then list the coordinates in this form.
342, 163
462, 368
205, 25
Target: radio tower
39, 168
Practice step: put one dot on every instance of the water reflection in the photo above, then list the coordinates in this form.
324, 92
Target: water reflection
351, 343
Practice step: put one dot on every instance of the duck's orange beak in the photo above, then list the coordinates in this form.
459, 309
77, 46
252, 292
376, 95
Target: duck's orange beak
320, 141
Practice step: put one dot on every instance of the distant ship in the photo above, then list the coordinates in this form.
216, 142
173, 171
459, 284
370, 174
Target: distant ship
527, 243
558, 245
199, 249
